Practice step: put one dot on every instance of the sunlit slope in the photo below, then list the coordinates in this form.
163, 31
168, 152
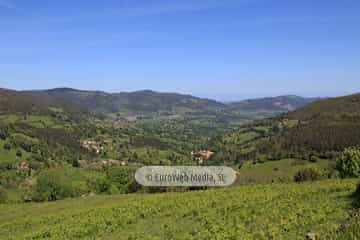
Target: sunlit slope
278, 211
326, 125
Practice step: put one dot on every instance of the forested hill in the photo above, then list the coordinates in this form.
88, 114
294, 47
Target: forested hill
139, 101
323, 126
321, 129
147, 101
330, 108
19, 102
280, 104
23, 103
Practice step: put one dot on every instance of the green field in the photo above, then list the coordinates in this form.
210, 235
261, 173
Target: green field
38, 121
9, 156
276, 171
276, 211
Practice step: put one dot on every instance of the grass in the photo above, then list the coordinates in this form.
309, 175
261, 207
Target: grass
275, 171
38, 121
242, 138
276, 211
9, 156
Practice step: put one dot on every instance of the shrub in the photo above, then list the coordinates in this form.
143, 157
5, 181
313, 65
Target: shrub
3, 195
19, 153
133, 187
356, 196
52, 185
3, 133
119, 176
314, 159
7, 165
7, 146
122, 177
113, 190
333, 173
9, 178
23, 141
79, 188
35, 165
75, 163
307, 174
99, 184
348, 164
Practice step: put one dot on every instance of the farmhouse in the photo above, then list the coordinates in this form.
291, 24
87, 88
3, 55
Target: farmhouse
93, 145
23, 165
200, 156
203, 153
110, 162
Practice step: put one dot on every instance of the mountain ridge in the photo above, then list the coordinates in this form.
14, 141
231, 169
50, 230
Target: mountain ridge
152, 101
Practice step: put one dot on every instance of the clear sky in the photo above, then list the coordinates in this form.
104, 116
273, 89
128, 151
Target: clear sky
204, 47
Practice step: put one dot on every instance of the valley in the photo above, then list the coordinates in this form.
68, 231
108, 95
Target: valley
74, 153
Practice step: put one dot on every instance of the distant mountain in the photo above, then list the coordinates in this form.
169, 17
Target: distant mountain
137, 102
20, 102
276, 104
147, 101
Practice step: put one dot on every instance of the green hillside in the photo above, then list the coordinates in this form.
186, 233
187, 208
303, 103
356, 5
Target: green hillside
54, 150
19, 102
319, 130
330, 108
134, 102
147, 101
278, 171
324, 126
278, 211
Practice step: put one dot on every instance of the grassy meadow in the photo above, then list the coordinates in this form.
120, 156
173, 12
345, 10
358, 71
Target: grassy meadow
272, 211
277, 171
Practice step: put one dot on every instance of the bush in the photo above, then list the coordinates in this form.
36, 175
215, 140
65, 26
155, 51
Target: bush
18, 153
9, 178
7, 146
7, 165
314, 159
348, 164
3, 195
333, 173
133, 187
356, 196
120, 177
79, 188
35, 165
52, 185
75, 163
113, 190
23, 141
307, 174
99, 184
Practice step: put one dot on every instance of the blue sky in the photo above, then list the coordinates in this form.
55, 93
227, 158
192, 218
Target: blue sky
213, 48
